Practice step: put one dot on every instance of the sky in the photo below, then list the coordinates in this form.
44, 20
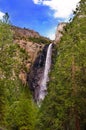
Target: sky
42, 16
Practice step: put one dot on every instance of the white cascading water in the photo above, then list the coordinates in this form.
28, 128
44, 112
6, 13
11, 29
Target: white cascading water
45, 78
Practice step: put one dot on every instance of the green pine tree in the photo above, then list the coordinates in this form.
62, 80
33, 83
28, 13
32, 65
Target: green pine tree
64, 106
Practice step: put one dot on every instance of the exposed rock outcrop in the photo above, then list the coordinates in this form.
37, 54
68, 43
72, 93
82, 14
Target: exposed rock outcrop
36, 72
32, 50
26, 39
24, 32
59, 31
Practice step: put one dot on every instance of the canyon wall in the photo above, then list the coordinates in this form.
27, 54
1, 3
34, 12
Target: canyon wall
59, 31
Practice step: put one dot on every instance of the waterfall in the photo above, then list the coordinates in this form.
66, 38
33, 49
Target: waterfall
45, 78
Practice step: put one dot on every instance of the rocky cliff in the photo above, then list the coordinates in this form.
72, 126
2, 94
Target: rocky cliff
24, 33
36, 72
59, 31
32, 43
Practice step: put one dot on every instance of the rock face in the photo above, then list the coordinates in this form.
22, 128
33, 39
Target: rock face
24, 33
39, 71
22, 38
36, 72
59, 31
32, 50
25, 39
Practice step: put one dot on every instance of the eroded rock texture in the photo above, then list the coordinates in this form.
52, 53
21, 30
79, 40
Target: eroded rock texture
36, 72
59, 31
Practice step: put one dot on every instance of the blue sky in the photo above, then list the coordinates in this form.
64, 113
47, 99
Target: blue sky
42, 16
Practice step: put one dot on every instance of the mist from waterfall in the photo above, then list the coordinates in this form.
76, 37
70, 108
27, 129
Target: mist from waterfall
45, 78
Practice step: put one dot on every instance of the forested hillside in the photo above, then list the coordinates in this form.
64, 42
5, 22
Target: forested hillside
64, 108
17, 110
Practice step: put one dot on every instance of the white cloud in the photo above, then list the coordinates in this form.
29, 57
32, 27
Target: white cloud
62, 8
1, 15
51, 33
37, 1
51, 36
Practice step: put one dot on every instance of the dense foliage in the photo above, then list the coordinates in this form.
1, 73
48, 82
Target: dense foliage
40, 40
64, 108
17, 110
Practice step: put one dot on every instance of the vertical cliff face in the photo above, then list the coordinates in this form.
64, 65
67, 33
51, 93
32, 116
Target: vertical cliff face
59, 31
28, 40
32, 50
32, 43
38, 76
36, 72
